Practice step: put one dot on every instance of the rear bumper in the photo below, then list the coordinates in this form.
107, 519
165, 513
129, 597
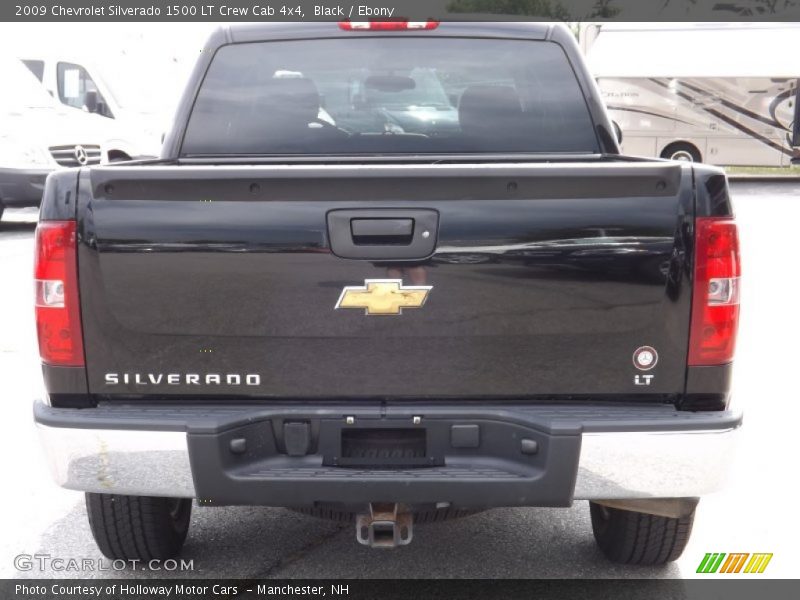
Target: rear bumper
583, 452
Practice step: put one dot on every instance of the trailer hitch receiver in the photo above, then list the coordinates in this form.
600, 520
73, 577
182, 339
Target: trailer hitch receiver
387, 525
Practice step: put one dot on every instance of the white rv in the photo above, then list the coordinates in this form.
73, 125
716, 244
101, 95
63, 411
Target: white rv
720, 93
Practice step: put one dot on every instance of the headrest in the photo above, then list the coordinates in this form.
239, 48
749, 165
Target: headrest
489, 110
292, 98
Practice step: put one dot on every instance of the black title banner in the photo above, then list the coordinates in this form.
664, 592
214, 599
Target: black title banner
414, 10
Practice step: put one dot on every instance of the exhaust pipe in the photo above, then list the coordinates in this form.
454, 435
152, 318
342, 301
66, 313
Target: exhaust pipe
387, 525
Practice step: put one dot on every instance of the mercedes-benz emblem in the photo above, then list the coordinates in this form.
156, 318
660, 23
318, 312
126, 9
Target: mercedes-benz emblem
80, 155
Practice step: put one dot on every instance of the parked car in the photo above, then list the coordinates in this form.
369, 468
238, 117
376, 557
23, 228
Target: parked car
386, 327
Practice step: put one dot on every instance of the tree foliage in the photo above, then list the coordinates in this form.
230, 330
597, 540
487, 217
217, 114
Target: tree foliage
546, 9
604, 9
740, 7
609, 9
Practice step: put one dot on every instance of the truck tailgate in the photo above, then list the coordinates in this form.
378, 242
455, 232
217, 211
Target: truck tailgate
543, 280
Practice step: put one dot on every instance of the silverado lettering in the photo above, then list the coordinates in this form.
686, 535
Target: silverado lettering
441, 290
182, 378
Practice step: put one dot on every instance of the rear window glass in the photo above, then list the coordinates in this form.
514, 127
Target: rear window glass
393, 96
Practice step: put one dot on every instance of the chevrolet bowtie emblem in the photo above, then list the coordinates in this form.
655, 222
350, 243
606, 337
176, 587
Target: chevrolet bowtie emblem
383, 296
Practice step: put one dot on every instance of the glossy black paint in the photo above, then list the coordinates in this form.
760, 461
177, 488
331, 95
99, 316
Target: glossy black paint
59, 201
713, 195
707, 388
64, 380
66, 387
546, 279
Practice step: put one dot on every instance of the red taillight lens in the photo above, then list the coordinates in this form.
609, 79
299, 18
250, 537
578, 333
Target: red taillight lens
715, 307
58, 317
388, 25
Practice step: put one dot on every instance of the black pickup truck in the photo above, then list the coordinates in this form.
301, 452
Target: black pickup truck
389, 273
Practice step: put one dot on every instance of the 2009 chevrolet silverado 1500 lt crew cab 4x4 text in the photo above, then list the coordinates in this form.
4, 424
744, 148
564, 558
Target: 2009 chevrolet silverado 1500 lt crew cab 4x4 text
389, 274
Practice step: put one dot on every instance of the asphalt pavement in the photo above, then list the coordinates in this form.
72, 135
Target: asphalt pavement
755, 513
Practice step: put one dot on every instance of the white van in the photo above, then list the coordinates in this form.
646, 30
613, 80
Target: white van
79, 84
720, 93
125, 76
38, 136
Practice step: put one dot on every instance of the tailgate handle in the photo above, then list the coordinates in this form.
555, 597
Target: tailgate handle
383, 233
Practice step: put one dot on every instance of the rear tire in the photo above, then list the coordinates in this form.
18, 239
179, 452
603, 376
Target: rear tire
634, 538
138, 527
682, 151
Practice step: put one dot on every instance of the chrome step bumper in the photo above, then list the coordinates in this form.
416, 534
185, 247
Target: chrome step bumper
620, 452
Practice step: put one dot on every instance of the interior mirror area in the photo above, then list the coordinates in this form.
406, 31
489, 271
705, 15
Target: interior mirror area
389, 83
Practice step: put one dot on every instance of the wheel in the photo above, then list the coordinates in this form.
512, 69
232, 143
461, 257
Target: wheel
682, 151
138, 527
634, 538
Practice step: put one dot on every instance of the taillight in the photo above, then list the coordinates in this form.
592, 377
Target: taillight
58, 317
715, 305
388, 25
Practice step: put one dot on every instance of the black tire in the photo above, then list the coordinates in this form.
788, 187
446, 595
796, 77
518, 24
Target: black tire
138, 527
633, 538
682, 151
